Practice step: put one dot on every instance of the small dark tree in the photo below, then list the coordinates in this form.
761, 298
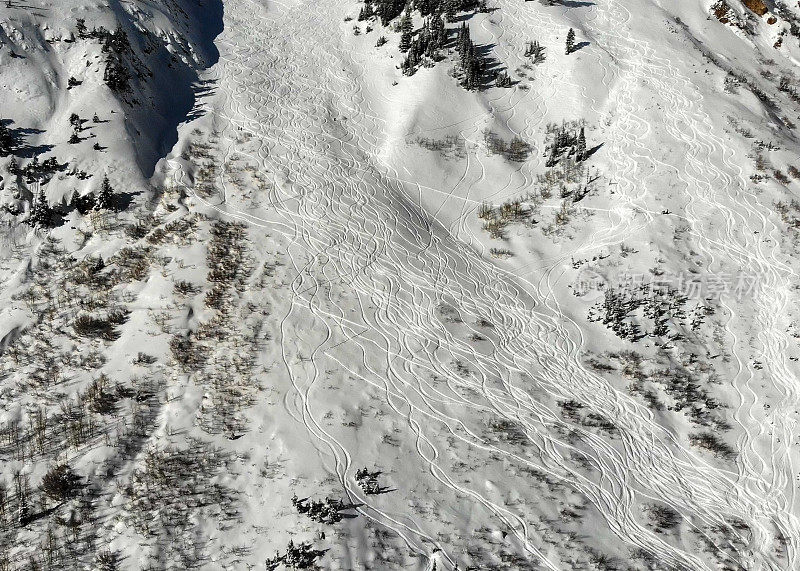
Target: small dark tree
503, 79
581, 146
570, 41
60, 483
75, 121
81, 27
74, 139
40, 213
106, 195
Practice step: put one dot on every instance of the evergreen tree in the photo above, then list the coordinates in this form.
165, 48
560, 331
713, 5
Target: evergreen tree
407, 29
74, 138
117, 76
570, 41
106, 195
81, 27
40, 213
450, 9
503, 79
7, 142
388, 10
75, 121
581, 146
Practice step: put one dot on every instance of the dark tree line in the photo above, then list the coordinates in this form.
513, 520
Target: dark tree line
388, 10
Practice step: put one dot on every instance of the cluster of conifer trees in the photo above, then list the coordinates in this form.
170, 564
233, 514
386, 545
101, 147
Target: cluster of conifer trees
115, 44
431, 38
472, 63
388, 10
567, 140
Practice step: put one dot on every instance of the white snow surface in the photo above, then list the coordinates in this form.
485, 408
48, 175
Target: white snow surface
368, 323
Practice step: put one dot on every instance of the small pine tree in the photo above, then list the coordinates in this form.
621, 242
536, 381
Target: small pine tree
40, 213
105, 196
503, 79
75, 121
74, 138
95, 118
581, 150
570, 41
81, 27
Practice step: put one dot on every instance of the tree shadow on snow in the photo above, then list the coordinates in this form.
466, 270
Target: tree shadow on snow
576, 4
593, 150
580, 46
18, 136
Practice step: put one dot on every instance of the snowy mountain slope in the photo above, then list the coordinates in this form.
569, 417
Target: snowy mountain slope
340, 267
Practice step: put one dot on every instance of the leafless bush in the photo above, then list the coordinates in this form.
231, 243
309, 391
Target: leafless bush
713, 443
449, 146
496, 227
516, 150
663, 517
60, 483
185, 288
101, 328
100, 398
186, 352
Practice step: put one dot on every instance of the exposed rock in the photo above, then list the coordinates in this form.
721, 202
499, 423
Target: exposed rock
756, 6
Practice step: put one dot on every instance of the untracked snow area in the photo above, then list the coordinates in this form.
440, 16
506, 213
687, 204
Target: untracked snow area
284, 298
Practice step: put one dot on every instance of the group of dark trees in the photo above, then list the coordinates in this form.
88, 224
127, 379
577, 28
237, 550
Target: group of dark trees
116, 75
472, 63
59, 484
567, 140
8, 141
42, 213
535, 51
388, 10
431, 38
115, 45
327, 512
300, 556
423, 46
368, 482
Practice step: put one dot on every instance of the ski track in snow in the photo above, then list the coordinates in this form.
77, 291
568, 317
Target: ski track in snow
353, 226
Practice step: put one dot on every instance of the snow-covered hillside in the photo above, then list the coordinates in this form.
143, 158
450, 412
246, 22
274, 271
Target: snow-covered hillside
399, 285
